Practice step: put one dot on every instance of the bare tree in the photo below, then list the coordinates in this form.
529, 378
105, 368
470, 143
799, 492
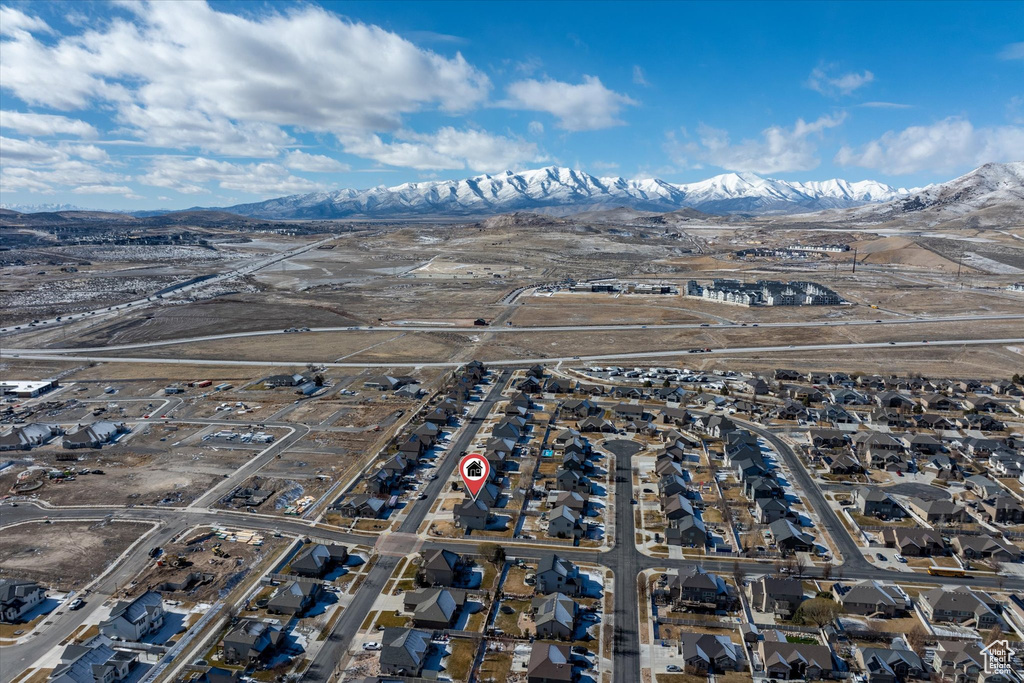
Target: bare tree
801, 566
826, 570
995, 634
819, 611
739, 574
997, 567
916, 639
492, 552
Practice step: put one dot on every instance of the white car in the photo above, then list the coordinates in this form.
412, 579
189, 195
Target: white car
372, 645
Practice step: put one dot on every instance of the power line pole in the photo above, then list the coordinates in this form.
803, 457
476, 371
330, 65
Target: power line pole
855, 259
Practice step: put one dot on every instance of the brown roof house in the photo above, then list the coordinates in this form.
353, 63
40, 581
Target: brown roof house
549, 664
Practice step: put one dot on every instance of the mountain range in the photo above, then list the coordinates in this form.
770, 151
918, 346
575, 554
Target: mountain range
562, 191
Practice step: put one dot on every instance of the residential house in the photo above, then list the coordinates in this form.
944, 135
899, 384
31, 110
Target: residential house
788, 661
570, 499
94, 435
135, 619
472, 514
441, 567
559, 385
770, 510
875, 502
960, 606
986, 547
363, 505
828, 438
704, 653
404, 651
891, 665
564, 522
550, 664
872, 598
630, 411
982, 486
758, 487
938, 511
679, 417
558, 575
94, 660
842, 464
554, 616
914, 542
780, 597
922, 444
572, 480
316, 560
790, 538
1002, 509
578, 408
938, 402
962, 661
695, 587
676, 507
892, 399
596, 424
19, 597
251, 641
434, 607
688, 532
25, 437
294, 598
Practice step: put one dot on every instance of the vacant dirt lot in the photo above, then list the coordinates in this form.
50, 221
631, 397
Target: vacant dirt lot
224, 572
144, 477
65, 554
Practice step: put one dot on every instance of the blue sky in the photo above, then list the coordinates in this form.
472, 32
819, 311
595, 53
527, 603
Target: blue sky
138, 105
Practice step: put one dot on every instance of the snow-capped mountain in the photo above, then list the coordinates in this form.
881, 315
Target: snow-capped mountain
563, 190
42, 208
989, 196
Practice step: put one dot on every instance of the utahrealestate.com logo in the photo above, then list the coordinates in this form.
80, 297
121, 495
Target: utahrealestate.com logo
997, 657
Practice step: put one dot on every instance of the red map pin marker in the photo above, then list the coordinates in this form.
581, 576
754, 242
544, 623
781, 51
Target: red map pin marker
474, 469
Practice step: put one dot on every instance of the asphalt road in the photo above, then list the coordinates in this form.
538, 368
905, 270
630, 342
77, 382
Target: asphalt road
345, 630
247, 269
527, 330
516, 362
853, 558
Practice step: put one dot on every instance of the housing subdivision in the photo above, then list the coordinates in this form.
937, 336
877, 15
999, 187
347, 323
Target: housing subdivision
765, 293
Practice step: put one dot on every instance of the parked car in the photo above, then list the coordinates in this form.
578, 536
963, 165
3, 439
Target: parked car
372, 646
76, 604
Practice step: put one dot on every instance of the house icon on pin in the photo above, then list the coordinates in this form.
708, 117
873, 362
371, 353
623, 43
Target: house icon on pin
474, 469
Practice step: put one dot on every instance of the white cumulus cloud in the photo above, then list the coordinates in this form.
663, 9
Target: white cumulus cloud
298, 160
45, 125
823, 79
778, 150
191, 175
585, 106
942, 146
447, 149
186, 75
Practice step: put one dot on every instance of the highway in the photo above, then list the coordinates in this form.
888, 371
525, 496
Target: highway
186, 286
68, 355
526, 330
